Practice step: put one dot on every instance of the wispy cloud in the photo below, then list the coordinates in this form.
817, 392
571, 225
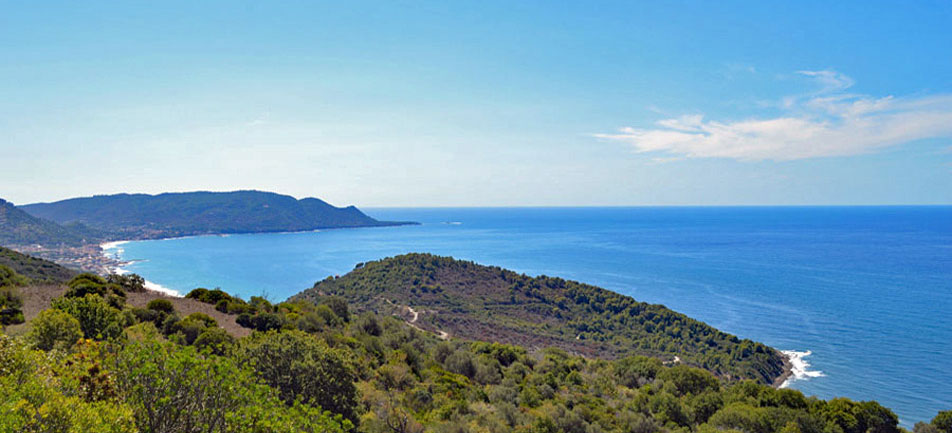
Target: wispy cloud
826, 123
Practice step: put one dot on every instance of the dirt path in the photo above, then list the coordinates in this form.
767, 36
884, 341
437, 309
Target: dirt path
416, 315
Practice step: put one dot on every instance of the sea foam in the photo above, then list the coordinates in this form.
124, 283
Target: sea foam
115, 249
799, 367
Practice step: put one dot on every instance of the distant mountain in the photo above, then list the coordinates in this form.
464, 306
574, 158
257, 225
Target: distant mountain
37, 270
478, 302
143, 216
20, 228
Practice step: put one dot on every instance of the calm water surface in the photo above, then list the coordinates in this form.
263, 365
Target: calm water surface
867, 290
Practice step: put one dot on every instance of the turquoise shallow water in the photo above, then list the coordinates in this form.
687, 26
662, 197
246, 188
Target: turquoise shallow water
867, 290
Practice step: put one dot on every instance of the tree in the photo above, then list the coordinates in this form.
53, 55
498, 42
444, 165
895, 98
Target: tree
943, 421
54, 329
171, 388
338, 305
304, 368
9, 278
215, 340
97, 319
34, 399
161, 305
10, 304
128, 282
688, 380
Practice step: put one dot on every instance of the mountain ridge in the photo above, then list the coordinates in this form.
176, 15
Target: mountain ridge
148, 216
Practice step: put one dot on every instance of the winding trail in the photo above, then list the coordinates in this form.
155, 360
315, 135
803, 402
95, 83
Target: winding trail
443, 335
416, 315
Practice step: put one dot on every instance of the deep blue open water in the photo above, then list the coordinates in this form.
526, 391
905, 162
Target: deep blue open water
867, 290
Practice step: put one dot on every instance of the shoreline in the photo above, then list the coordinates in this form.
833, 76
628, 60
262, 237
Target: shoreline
117, 265
796, 368
786, 377
113, 264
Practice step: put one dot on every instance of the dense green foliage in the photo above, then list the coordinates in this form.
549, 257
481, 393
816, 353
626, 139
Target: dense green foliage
10, 298
136, 216
39, 271
489, 303
323, 369
20, 228
55, 329
302, 368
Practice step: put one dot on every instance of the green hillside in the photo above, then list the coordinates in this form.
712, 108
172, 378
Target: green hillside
142, 216
20, 228
486, 303
39, 271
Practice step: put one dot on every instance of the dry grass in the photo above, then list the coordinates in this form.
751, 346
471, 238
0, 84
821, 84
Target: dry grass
188, 306
39, 298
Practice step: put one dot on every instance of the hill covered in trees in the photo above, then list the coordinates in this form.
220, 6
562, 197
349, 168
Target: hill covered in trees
38, 271
486, 303
93, 361
143, 216
20, 228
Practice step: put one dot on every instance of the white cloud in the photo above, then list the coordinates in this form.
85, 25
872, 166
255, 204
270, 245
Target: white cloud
825, 124
831, 80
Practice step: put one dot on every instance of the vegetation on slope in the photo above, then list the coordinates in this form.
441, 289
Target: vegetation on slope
324, 369
11, 301
39, 271
493, 304
20, 228
142, 216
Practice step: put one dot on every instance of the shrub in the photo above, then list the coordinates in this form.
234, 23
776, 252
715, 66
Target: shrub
97, 319
209, 296
54, 329
9, 278
943, 421
145, 315
461, 362
190, 328
215, 340
161, 305
175, 389
302, 367
635, 371
338, 305
10, 304
206, 319
32, 398
684, 380
244, 320
128, 282
261, 321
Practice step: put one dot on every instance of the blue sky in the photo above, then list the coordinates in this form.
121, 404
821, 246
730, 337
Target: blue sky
481, 103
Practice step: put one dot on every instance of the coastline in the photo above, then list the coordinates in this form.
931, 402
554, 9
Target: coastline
117, 268
107, 263
796, 368
786, 377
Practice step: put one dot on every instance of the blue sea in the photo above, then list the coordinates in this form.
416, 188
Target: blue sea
863, 295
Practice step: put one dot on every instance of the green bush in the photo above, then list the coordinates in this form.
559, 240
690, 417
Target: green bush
943, 421
128, 282
176, 389
10, 303
215, 340
96, 317
54, 329
161, 305
9, 278
301, 367
33, 398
